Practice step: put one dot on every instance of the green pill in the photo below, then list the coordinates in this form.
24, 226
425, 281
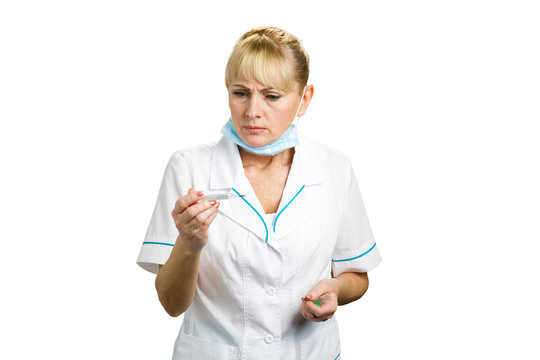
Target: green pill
318, 303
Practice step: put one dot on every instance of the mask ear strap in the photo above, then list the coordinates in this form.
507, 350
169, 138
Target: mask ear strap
296, 119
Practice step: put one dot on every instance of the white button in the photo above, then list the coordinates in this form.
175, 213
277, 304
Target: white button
271, 291
268, 339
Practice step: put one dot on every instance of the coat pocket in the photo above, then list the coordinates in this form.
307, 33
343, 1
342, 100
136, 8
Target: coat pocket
193, 348
323, 345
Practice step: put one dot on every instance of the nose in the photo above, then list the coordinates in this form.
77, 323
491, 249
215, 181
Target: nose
253, 110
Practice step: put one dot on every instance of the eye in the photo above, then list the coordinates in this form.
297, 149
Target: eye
240, 94
273, 97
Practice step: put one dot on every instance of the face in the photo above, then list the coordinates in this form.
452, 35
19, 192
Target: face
260, 114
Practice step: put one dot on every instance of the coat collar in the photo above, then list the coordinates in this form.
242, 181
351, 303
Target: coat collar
298, 199
227, 166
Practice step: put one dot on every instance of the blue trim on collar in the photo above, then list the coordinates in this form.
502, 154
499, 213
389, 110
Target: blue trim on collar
356, 257
275, 221
260, 217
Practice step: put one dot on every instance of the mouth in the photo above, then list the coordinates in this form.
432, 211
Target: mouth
253, 129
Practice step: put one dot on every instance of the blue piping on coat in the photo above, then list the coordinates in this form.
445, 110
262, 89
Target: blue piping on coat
265, 228
356, 257
157, 243
275, 221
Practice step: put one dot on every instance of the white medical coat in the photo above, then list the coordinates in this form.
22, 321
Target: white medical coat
253, 273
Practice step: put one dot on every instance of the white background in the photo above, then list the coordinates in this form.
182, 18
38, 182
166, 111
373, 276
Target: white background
437, 104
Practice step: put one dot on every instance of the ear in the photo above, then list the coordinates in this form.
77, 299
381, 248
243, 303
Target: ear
226, 85
308, 95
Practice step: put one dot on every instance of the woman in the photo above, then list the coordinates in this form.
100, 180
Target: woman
260, 276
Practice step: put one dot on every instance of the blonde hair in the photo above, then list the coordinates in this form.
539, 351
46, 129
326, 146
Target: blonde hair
270, 56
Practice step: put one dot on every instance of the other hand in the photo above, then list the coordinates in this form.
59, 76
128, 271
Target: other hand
324, 293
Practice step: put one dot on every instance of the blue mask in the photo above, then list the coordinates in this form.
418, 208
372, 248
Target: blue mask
286, 141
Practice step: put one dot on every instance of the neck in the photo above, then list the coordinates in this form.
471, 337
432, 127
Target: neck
284, 158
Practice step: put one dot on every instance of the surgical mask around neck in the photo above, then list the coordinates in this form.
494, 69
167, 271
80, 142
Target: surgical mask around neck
287, 140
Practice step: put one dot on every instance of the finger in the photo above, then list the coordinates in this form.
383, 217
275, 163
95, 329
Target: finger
320, 311
211, 218
186, 200
316, 317
311, 309
181, 220
205, 212
326, 317
319, 296
307, 316
195, 209
315, 293
327, 308
303, 309
305, 313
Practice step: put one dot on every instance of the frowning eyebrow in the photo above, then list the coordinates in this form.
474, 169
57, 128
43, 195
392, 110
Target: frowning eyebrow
245, 87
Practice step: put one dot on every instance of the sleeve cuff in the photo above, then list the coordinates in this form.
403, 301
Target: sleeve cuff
153, 254
361, 261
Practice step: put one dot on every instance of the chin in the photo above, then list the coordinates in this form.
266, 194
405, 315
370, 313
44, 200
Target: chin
255, 141
257, 144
